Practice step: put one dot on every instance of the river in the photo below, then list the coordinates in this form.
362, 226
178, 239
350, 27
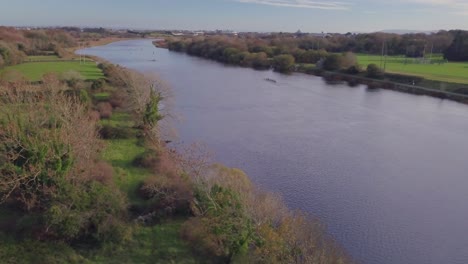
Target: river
386, 172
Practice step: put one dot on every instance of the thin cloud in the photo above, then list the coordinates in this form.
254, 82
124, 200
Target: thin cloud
325, 5
457, 6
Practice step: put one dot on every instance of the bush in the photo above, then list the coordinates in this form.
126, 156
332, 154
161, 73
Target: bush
117, 99
333, 62
309, 69
48, 146
148, 159
84, 97
168, 194
94, 116
91, 211
348, 60
98, 84
373, 71
223, 230
102, 172
116, 132
152, 114
283, 63
353, 70
104, 109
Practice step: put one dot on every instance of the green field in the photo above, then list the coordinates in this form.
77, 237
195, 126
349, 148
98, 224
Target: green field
35, 70
445, 72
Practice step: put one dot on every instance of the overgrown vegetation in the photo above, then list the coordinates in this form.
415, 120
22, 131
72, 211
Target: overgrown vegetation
86, 177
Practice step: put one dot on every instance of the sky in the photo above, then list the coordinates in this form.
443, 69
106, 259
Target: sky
241, 15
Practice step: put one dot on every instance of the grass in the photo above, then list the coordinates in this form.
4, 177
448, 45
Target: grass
104, 96
121, 153
157, 244
150, 244
35, 70
446, 72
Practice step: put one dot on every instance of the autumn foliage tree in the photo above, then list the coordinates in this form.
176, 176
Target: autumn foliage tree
236, 222
48, 151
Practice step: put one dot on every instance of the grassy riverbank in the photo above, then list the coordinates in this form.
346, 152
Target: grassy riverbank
125, 196
437, 69
34, 71
436, 77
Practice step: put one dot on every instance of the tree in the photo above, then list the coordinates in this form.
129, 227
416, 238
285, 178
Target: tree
458, 50
48, 148
333, 62
283, 63
222, 229
349, 59
152, 115
373, 71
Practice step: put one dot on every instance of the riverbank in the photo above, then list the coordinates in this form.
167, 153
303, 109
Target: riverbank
230, 231
98, 42
161, 205
350, 156
389, 83
261, 60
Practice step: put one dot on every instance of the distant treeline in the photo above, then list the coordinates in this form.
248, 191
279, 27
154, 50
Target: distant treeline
17, 44
259, 50
252, 53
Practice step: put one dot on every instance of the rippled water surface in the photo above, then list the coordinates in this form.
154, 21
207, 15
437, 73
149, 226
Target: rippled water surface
387, 172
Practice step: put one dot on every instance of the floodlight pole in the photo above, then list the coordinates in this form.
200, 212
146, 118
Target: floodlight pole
432, 50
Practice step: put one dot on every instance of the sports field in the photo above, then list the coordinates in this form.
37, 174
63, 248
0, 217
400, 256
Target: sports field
437, 70
35, 70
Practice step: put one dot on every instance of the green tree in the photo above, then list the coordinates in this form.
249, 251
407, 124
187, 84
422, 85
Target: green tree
333, 62
373, 71
283, 63
152, 115
48, 148
223, 229
458, 50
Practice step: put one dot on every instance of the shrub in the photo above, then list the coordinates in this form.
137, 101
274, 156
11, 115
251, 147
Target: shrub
223, 229
117, 99
104, 109
94, 116
333, 62
373, 71
167, 194
71, 77
102, 172
309, 69
98, 84
148, 159
348, 60
283, 63
84, 97
353, 70
92, 211
48, 146
152, 115
116, 132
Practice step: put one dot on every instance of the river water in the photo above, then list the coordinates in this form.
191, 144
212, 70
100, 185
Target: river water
387, 172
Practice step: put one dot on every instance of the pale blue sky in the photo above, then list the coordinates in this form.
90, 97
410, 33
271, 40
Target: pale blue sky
241, 15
